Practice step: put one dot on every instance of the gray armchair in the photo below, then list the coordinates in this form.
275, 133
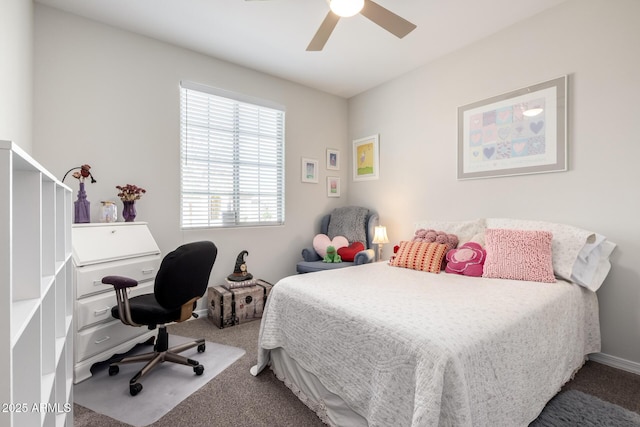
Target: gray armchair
353, 222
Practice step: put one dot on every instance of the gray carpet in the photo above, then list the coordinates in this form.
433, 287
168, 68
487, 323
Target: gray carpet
575, 408
235, 398
163, 388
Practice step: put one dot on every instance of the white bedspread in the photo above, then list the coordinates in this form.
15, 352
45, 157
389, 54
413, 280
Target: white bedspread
409, 348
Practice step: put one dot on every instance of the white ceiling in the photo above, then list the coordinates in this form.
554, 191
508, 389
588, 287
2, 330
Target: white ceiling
271, 36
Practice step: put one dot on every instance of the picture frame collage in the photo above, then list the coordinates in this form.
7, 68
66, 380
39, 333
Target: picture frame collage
310, 171
366, 164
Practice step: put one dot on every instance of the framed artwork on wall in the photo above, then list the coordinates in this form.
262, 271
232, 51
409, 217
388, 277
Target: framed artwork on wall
333, 159
333, 186
520, 132
309, 170
366, 162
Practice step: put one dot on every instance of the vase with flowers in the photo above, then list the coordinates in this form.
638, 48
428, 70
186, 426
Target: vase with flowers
82, 207
129, 194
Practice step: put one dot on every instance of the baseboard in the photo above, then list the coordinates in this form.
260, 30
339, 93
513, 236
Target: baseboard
616, 362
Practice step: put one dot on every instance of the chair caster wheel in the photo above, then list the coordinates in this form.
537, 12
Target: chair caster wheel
113, 370
202, 348
198, 369
135, 389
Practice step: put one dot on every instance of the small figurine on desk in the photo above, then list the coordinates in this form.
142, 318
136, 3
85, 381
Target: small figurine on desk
240, 272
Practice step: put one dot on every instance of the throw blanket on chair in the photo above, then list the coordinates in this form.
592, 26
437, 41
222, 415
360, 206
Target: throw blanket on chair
350, 222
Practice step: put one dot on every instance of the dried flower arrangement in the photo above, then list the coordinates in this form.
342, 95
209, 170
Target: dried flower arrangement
80, 175
82, 206
130, 192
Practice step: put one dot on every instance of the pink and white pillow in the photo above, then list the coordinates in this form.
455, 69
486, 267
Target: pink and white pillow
321, 242
467, 260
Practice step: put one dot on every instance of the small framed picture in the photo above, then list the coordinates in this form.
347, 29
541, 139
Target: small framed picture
333, 186
309, 170
333, 159
365, 158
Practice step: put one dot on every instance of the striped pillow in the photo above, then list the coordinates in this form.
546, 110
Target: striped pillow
420, 256
519, 255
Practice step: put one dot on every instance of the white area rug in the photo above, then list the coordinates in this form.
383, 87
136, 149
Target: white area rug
163, 388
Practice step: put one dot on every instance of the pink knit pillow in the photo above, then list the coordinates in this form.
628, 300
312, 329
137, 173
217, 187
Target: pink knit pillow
420, 256
519, 255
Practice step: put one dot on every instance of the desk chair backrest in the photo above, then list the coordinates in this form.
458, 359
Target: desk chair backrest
184, 274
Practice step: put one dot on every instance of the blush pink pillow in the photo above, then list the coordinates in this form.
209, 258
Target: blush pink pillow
468, 259
519, 255
322, 241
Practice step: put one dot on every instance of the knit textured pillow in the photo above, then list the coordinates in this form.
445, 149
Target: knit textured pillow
420, 256
519, 255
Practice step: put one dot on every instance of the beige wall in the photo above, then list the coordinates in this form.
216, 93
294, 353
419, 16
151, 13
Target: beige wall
595, 42
110, 98
16, 72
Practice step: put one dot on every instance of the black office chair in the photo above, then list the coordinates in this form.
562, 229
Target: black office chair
181, 280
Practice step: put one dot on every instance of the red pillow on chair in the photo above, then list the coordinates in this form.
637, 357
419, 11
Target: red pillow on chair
348, 253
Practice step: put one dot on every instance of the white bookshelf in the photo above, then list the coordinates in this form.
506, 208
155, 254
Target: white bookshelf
36, 276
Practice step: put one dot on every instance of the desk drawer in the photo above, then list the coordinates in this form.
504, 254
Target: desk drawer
103, 337
97, 308
89, 278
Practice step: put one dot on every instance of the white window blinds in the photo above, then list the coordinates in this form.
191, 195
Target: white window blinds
232, 159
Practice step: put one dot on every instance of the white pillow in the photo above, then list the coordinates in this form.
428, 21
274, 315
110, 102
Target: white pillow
592, 265
465, 230
579, 256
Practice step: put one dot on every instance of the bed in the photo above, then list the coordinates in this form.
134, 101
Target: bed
379, 345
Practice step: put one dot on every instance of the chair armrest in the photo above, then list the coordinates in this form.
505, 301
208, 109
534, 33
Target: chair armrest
310, 254
364, 257
120, 286
119, 282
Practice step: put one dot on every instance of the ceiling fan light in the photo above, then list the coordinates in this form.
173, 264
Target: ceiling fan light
346, 8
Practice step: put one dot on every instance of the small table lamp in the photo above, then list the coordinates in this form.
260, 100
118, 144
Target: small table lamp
380, 238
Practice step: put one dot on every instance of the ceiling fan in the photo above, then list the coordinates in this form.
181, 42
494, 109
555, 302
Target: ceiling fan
371, 10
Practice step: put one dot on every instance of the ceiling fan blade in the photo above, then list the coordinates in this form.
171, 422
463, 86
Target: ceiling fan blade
323, 33
388, 20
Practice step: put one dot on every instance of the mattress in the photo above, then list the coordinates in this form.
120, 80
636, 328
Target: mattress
407, 348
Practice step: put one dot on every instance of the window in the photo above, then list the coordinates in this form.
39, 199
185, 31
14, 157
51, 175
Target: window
232, 159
